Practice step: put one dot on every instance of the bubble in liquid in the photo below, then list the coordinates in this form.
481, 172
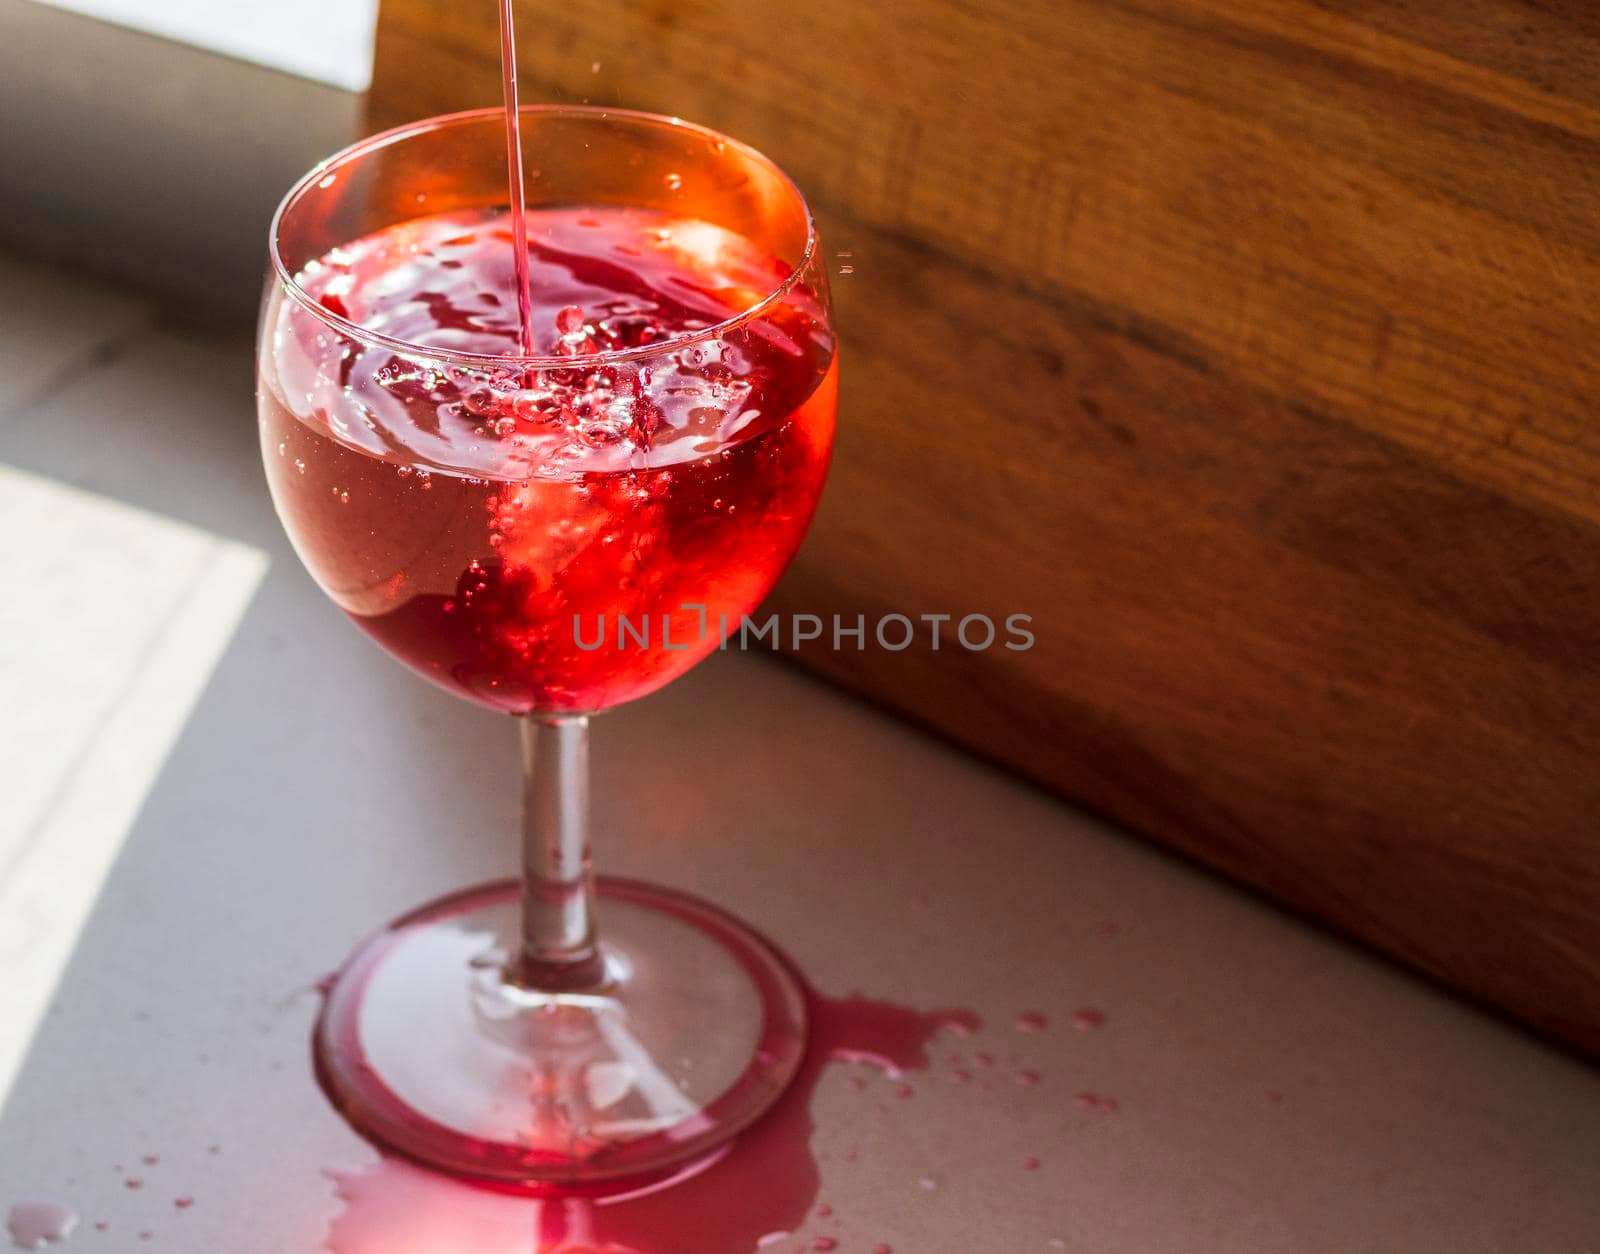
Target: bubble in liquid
481, 401
299, 466
569, 320
532, 406
505, 426
673, 182
847, 269
283, 447
602, 431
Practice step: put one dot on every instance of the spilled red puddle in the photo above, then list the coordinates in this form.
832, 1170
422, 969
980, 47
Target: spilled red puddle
759, 1192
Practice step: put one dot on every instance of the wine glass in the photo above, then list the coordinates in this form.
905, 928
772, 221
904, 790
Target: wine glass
550, 535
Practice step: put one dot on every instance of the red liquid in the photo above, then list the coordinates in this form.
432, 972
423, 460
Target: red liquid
491, 525
515, 186
766, 1183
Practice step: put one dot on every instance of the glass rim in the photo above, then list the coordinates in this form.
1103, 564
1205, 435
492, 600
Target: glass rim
406, 130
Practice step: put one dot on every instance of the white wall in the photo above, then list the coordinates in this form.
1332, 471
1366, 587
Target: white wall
150, 161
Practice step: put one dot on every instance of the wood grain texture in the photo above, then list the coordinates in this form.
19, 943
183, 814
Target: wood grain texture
1248, 345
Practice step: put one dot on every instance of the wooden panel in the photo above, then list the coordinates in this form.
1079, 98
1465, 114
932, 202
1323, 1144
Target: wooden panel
1246, 345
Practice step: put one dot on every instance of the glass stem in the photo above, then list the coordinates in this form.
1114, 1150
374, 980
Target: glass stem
560, 952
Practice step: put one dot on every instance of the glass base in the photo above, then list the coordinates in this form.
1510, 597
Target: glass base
428, 1051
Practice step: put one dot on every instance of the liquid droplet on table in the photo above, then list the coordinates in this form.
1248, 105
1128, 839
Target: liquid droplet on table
1088, 1019
34, 1225
1031, 1021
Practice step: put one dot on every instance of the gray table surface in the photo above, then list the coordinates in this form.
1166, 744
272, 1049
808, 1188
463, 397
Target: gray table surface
1278, 1089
